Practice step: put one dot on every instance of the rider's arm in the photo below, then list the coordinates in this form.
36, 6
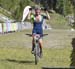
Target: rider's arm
48, 16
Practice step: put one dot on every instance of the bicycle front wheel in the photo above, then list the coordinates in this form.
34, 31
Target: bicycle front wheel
36, 53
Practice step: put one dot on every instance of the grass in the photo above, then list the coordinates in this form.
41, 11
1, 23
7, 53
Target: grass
5, 13
17, 58
58, 21
15, 50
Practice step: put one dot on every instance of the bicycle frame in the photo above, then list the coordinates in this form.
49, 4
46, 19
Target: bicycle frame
37, 48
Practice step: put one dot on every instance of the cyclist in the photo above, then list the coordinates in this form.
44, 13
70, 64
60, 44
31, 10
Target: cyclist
37, 26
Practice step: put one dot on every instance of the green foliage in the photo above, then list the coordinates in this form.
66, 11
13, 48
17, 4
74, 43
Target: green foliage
64, 7
20, 8
68, 9
73, 3
15, 7
60, 6
58, 22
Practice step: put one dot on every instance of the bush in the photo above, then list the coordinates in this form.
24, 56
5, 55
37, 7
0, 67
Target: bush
15, 7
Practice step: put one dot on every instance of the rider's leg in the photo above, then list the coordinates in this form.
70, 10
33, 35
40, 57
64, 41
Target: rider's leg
33, 45
41, 44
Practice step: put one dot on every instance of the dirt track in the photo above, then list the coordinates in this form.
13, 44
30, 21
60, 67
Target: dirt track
54, 39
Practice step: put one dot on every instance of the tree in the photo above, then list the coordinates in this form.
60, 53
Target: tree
64, 7
19, 10
67, 7
60, 6
16, 7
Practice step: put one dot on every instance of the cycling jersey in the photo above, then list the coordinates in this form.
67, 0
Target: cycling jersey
37, 25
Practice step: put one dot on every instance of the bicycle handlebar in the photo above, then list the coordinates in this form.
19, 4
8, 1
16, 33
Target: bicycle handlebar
31, 35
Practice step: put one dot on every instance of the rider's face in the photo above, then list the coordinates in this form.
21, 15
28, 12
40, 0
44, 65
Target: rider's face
37, 12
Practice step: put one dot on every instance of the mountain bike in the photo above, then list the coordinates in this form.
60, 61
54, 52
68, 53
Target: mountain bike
37, 53
37, 49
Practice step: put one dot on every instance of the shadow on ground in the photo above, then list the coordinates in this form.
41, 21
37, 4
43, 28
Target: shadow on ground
73, 54
19, 61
